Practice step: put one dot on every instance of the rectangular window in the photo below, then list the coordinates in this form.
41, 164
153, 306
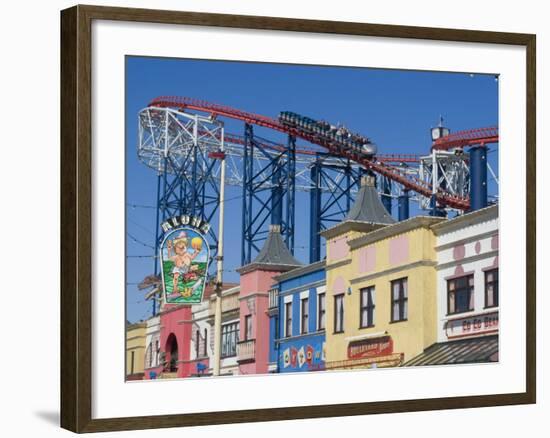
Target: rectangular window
205, 349
460, 294
339, 313
150, 355
399, 300
230, 335
248, 327
132, 363
491, 288
366, 315
288, 319
157, 352
197, 343
321, 310
305, 315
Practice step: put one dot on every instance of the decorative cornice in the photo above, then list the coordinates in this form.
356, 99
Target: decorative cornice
302, 270
253, 294
393, 230
226, 292
301, 336
171, 309
264, 267
227, 317
470, 239
303, 287
136, 325
135, 348
459, 222
470, 259
337, 264
346, 226
394, 270
133, 338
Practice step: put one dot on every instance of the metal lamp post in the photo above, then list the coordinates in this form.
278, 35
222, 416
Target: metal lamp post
219, 266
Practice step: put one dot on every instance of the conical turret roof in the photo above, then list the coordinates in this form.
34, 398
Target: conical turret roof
275, 251
367, 206
274, 254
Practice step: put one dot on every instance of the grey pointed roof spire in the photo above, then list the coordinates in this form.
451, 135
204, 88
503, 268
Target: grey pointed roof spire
274, 254
367, 206
275, 251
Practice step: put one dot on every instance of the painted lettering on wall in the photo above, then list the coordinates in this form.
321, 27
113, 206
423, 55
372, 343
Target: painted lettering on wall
185, 220
370, 347
307, 356
472, 326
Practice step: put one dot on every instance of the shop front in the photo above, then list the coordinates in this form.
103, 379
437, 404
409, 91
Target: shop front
382, 301
369, 352
467, 267
297, 334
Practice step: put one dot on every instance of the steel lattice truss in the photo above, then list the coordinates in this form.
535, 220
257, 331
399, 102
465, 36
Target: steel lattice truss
445, 170
177, 146
181, 139
164, 131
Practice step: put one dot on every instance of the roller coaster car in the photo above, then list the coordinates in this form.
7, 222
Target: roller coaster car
324, 130
369, 149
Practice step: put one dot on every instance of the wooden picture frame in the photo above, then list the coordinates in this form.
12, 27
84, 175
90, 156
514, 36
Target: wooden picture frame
76, 217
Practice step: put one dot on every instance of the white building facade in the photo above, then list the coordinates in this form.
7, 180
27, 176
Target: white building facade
152, 346
467, 250
467, 265
229, 336
202, 348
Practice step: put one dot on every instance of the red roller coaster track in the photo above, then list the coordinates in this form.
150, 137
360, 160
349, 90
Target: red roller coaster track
303, 150
459, 139
471, 137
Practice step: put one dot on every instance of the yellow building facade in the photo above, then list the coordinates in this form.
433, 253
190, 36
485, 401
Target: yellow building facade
381, 292
135, 350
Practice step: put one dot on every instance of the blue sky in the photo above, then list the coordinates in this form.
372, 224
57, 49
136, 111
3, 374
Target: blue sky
395, 108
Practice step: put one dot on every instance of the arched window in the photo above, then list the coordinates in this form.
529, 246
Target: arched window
172, 353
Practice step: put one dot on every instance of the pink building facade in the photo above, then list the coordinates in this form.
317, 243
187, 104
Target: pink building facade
253, 347
186, 339
175, 340
256, 281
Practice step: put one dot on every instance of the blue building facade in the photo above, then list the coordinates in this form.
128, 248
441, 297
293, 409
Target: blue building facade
297, 314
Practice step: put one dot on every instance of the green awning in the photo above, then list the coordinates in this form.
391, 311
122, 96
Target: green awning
474, 350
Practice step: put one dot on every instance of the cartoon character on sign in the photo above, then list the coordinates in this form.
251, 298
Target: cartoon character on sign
286, 358
293, 357
301, 357
184, 259
309, 355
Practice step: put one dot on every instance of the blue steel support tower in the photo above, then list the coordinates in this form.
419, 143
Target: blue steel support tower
478, 178
315, 214
268, 193
288, 229
332, 181
386, 193
403, 206
189, 187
